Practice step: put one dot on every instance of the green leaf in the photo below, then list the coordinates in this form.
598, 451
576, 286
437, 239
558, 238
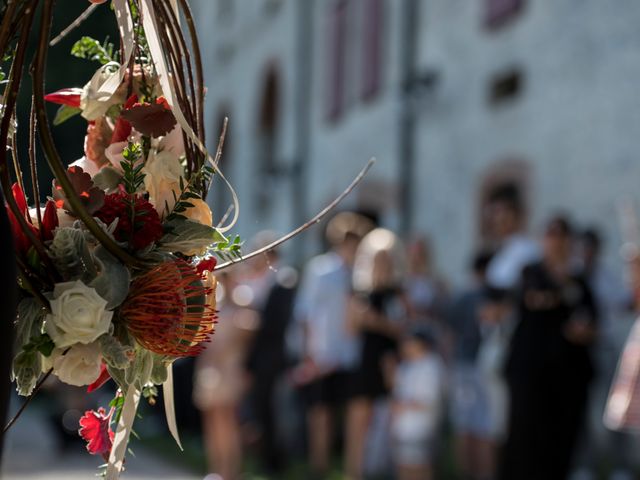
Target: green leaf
64, 113
188, 237
91, 49
112, 282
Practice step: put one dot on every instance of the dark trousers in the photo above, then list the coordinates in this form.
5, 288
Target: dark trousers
544, 420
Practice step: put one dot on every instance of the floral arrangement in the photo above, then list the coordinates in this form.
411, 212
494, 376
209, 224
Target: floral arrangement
116, 267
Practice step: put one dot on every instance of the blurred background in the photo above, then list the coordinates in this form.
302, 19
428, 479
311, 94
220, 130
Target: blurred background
469, 106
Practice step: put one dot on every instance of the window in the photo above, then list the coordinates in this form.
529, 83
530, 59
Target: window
505, 87
336, 53
499, 12
266, 141
372, 47
508, 179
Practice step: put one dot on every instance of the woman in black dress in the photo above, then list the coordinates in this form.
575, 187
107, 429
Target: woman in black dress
378, 313
549, 366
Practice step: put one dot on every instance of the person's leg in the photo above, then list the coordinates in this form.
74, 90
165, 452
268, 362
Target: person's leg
464, 454
228, 443
414, 472
210, 435
484, 458
319, 426
359, 412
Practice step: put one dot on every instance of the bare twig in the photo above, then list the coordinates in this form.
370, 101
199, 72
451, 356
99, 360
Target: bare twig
75, 24
52, 155
27, 400
308, 224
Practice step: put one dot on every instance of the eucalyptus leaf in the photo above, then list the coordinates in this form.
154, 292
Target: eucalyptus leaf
108, 179
112, 280
71, 256
29, 320
159, 371
188, 237
64, 113
27, 367
115, 354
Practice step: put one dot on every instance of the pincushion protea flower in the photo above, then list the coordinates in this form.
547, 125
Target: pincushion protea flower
170, 311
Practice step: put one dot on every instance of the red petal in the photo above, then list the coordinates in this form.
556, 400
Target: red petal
21, 242
49, 220
102, 379
94, 428
163, 101
121, 131
131, 101
19, 197
66, 96
206, 265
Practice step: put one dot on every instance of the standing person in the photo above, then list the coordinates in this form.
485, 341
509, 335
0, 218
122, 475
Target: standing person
219, 383
330, 351
470, 409
418, 391
267, 358
549, 365
379, 312
614, 301
515, 249
425, 290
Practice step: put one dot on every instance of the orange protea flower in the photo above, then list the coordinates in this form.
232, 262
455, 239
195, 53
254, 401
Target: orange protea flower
170, 309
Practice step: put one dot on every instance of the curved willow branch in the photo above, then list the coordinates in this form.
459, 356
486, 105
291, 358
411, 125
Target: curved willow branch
51, 154
319, 216
11, 96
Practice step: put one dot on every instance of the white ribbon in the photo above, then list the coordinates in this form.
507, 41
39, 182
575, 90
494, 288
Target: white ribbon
123, 430
101, 90
153, 39
169, 405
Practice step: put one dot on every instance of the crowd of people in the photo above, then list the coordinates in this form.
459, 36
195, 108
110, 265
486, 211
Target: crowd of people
371, 358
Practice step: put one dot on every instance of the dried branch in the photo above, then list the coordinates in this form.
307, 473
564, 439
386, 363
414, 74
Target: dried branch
308, 224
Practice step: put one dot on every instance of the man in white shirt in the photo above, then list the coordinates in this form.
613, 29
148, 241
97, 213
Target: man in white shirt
330, 350
515, 249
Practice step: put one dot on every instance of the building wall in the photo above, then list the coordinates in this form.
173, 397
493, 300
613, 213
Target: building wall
570, 134
575, 123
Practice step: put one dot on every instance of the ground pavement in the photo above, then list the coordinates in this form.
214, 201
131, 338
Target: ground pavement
32, 454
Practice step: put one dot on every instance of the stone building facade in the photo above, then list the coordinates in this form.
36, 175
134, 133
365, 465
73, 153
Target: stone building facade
453, 97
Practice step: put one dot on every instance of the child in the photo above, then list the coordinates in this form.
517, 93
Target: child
417, 403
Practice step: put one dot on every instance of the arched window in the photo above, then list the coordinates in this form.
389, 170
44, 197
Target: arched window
267, 139
372, 48
336, 58
510, 177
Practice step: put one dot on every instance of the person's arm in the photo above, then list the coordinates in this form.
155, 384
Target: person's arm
582, 326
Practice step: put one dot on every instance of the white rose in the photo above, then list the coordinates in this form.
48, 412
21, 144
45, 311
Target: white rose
79, 366
95, 99
162, 179
78, 314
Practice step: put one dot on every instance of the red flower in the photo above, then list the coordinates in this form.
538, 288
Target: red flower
167, 310
22, 243
101, 380
49, 220
206, 265
146, 227
122, 130
66, 96
19, 197
95, 429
